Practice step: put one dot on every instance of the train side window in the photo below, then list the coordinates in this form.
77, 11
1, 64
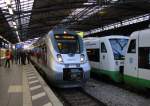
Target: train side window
132, 46
103, 48
144, 57
93, 54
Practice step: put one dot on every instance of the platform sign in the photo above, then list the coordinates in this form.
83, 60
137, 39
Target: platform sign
81, 34
19, 45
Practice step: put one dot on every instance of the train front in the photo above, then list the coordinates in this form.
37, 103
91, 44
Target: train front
119, 47
71, 65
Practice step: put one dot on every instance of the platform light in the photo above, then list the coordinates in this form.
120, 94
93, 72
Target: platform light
36, 38
14, 23
10, 11
88, 3
17, 32
65, 32
13, 46
15, 27
25, 46
102, 12
113, 1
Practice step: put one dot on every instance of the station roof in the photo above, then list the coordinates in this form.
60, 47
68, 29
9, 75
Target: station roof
27, 19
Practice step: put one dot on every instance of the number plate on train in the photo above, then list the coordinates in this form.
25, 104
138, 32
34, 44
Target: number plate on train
72, 65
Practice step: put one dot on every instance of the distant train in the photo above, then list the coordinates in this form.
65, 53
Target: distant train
107, 54
137, 60
62, 57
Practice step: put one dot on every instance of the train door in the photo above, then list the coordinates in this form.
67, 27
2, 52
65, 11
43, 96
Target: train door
131, 62
144, 58
92, 48
103, 57
93, 56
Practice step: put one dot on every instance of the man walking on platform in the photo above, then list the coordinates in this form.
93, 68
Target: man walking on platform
8, 57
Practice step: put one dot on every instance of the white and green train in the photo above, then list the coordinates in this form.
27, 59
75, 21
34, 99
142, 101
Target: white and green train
122, 59
137, 60
106, 55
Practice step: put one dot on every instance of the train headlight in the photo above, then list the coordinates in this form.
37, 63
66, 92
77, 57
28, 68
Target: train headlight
82, 58
59, 57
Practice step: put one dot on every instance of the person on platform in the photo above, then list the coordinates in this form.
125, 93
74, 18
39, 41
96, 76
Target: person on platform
18, 56
28, 56
15, 56
23, 57
8, 57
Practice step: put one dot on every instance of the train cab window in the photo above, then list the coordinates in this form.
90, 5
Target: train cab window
93, 54
144, 57
119, 47
103, 48
68, 43
132, 46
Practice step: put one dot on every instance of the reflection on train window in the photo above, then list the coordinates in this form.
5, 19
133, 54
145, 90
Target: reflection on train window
132, 46
44, 52
93, 54
144, 57
40, 52
103, 48
68, 44
119, 46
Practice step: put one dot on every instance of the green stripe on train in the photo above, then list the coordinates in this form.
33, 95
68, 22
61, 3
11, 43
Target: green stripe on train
117, 77
137, 82
114, 75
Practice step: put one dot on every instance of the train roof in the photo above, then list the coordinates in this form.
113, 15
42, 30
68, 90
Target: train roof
62, 31
105, 37
135, 33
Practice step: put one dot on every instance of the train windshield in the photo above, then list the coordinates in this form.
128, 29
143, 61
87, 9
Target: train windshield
119, 47
68, 44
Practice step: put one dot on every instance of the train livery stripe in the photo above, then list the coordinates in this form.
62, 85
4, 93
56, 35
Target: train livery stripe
114, 75
137, 82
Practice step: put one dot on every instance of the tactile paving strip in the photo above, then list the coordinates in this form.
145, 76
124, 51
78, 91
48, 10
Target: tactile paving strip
38, 95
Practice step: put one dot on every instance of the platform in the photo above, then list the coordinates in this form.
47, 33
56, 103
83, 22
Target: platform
21, 85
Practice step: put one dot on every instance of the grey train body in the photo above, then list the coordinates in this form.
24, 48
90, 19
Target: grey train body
62, 57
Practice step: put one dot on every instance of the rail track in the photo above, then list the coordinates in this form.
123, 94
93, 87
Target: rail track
144, 93
73, 96
77, 97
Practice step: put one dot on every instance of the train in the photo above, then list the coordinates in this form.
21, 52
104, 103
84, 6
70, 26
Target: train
131, 68
107, 54
62, 56
137, 60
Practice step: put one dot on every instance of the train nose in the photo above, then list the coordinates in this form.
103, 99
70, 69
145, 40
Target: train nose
72, 74
71, 58
71, 54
